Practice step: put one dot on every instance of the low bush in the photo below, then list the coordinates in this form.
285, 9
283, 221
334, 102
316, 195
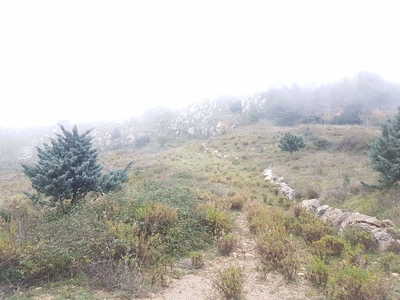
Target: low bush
360, 236
350, 282
328, 246
278, 253
217, 221
226, 244
197, 260
229, 282
308, 227
237, 202
390, 262
262, 219
156, 218
317, 271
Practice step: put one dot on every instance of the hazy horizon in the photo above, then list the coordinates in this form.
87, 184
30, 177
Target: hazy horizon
97, 60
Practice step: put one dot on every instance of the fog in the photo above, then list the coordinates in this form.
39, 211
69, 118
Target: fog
98, 60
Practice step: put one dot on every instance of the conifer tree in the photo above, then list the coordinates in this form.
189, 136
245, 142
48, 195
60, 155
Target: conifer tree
68, 169
385, 152
291, 143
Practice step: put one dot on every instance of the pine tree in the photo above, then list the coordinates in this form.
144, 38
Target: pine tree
68, 169
291, 143
385, 152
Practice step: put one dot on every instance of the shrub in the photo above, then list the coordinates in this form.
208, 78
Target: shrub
156, 218
357, 143
310, 228
327, 247
216, 220
360, 236
197, 260
278, 253
262, 219
226, 244
317, 271
229, 282
350, 282
237, 202
390, 262
321, 144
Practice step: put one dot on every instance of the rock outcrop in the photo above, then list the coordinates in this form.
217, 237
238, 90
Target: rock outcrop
337, 218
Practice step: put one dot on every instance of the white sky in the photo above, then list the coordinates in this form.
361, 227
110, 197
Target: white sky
89, 60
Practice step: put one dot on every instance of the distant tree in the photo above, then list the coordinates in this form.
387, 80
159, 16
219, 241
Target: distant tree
116, 134
385, 152
141, 141
68, 169
284, 114
254, 114
236, 106
291, 143
352, 114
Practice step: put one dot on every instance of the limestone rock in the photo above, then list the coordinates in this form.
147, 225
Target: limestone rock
361, 220
311, 204
340, 218
331, 215
321, 210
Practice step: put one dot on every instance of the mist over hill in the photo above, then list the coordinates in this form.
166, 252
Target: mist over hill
366, 99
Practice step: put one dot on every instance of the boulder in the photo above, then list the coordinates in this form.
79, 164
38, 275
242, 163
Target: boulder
321, 210
311, 204
340, 218
331, 215
364, 221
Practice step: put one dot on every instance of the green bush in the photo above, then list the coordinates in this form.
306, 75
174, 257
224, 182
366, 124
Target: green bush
278, 253
317, 271
216, 220
197, 260
390, 262
262, 219
229, 282
350, 283
156, 218
360, 236
328, 246
308, 227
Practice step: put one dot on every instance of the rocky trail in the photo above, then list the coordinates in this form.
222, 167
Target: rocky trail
196, 284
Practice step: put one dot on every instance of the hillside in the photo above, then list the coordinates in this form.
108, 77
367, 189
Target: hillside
197, 214
200, 180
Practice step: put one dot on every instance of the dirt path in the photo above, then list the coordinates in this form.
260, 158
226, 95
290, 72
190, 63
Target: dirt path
197, 284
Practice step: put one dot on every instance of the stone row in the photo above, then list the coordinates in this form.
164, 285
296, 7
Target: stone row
381, 230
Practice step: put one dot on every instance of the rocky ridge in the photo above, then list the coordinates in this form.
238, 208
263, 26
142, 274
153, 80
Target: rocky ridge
381, 230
